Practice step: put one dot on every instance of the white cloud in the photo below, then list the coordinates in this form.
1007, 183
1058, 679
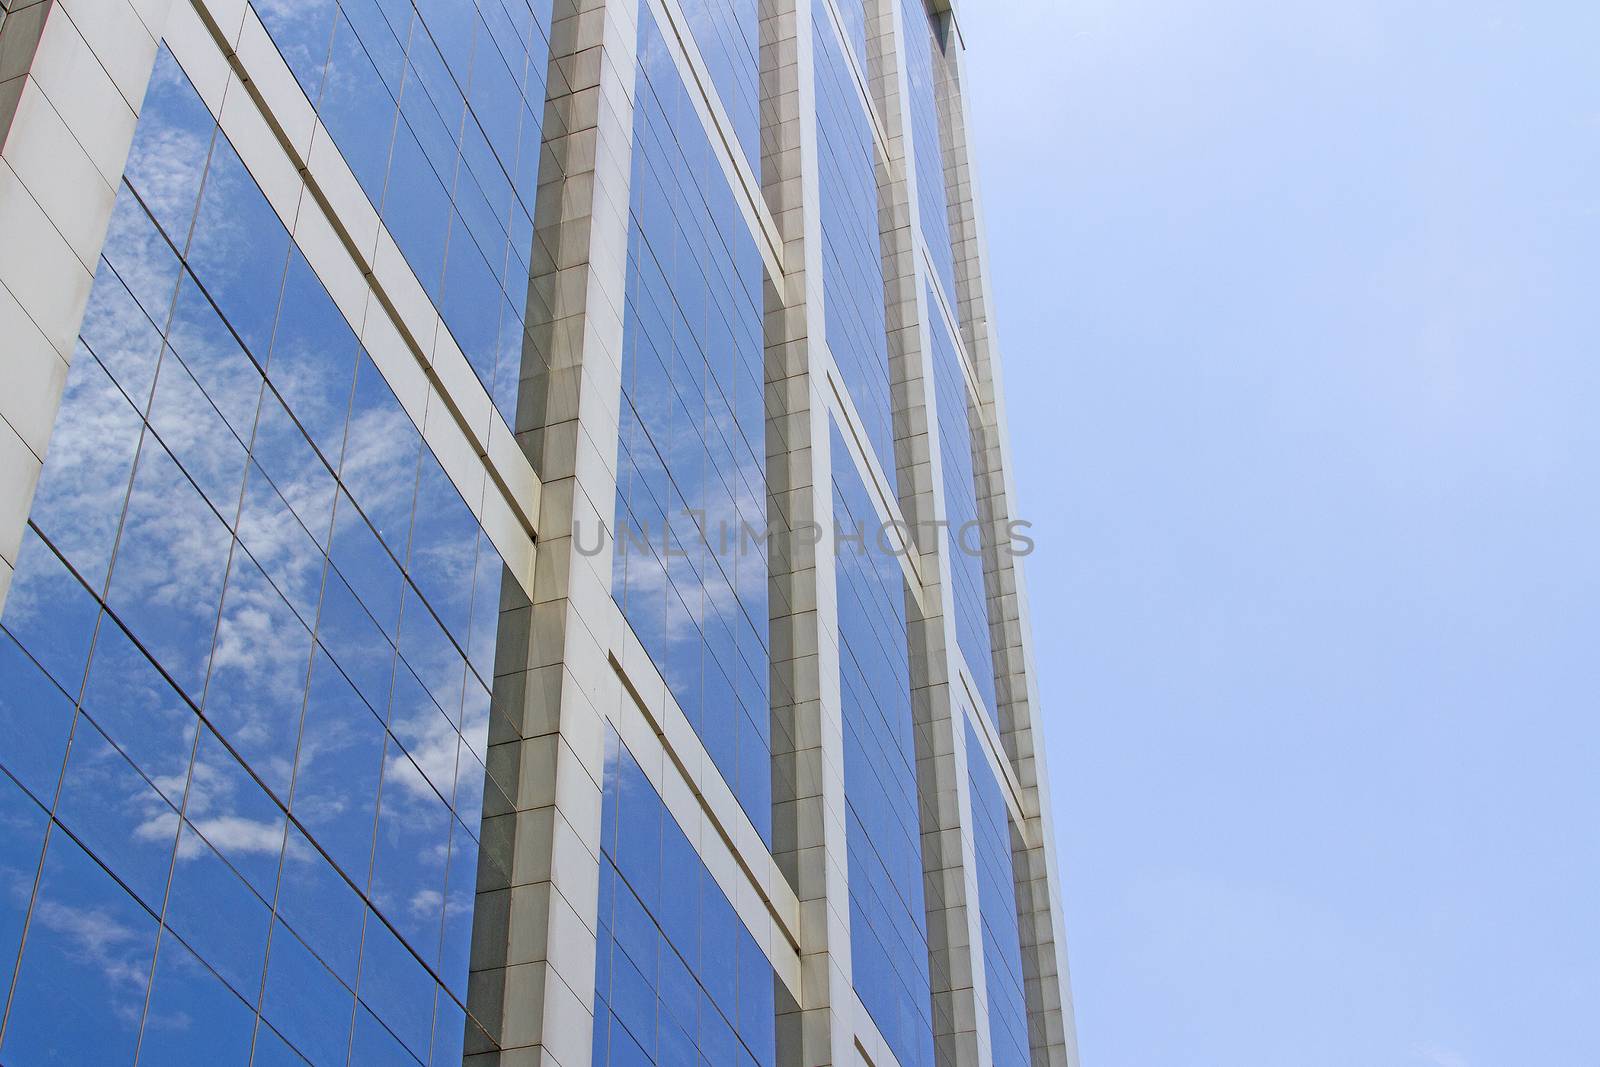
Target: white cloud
94, 937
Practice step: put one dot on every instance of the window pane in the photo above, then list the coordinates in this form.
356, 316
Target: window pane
258, 674
408, 873
217, 915
428, 738
301, 31
117, 815
239, 249
1002, 952
22, 826
296, 471
193, 1018
374, 1045
460, 901
320, 906
416, 209
146, 261
210, 350
961, 513
444, 541
358, 110
432, 655
35, 719
85, 479
194, 432
336, 785
271, 1050
170, 147
305, 1002
313, 359
689, 323
449, 1034
239, 820
170, 564
664, 1008
121, 334
395, 987
380, 458
49, 613
139, 711
81, 985
363, 562
355, 642
283, 548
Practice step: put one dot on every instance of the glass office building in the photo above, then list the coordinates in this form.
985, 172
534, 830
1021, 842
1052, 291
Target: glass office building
507, 553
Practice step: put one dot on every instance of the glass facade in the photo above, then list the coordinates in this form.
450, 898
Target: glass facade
963, 531
997, 905
854, 15
678, 977
691, 477
852, 260
246, 663
437, 110
923, 49
727, 34
888, 921
249, 639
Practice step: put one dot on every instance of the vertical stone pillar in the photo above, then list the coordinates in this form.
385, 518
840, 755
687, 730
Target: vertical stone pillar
534, 934
809, 825
73, 75
955, 934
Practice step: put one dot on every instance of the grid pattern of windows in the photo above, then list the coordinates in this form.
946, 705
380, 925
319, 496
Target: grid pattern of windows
997, 905
852, 260
854, 15
727, 33
243, 664
888, 922
678, 978
964, 533
691, 475
922, 45
437, 110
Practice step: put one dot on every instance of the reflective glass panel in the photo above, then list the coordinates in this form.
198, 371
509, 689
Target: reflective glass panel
436, 108
691, 481
246, 651
997, 905
964, 532
888, 920
854, 15
726, 32
925, 52
852, 260
678, 977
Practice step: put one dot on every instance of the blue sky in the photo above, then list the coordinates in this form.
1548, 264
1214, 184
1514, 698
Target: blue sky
1302, 339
